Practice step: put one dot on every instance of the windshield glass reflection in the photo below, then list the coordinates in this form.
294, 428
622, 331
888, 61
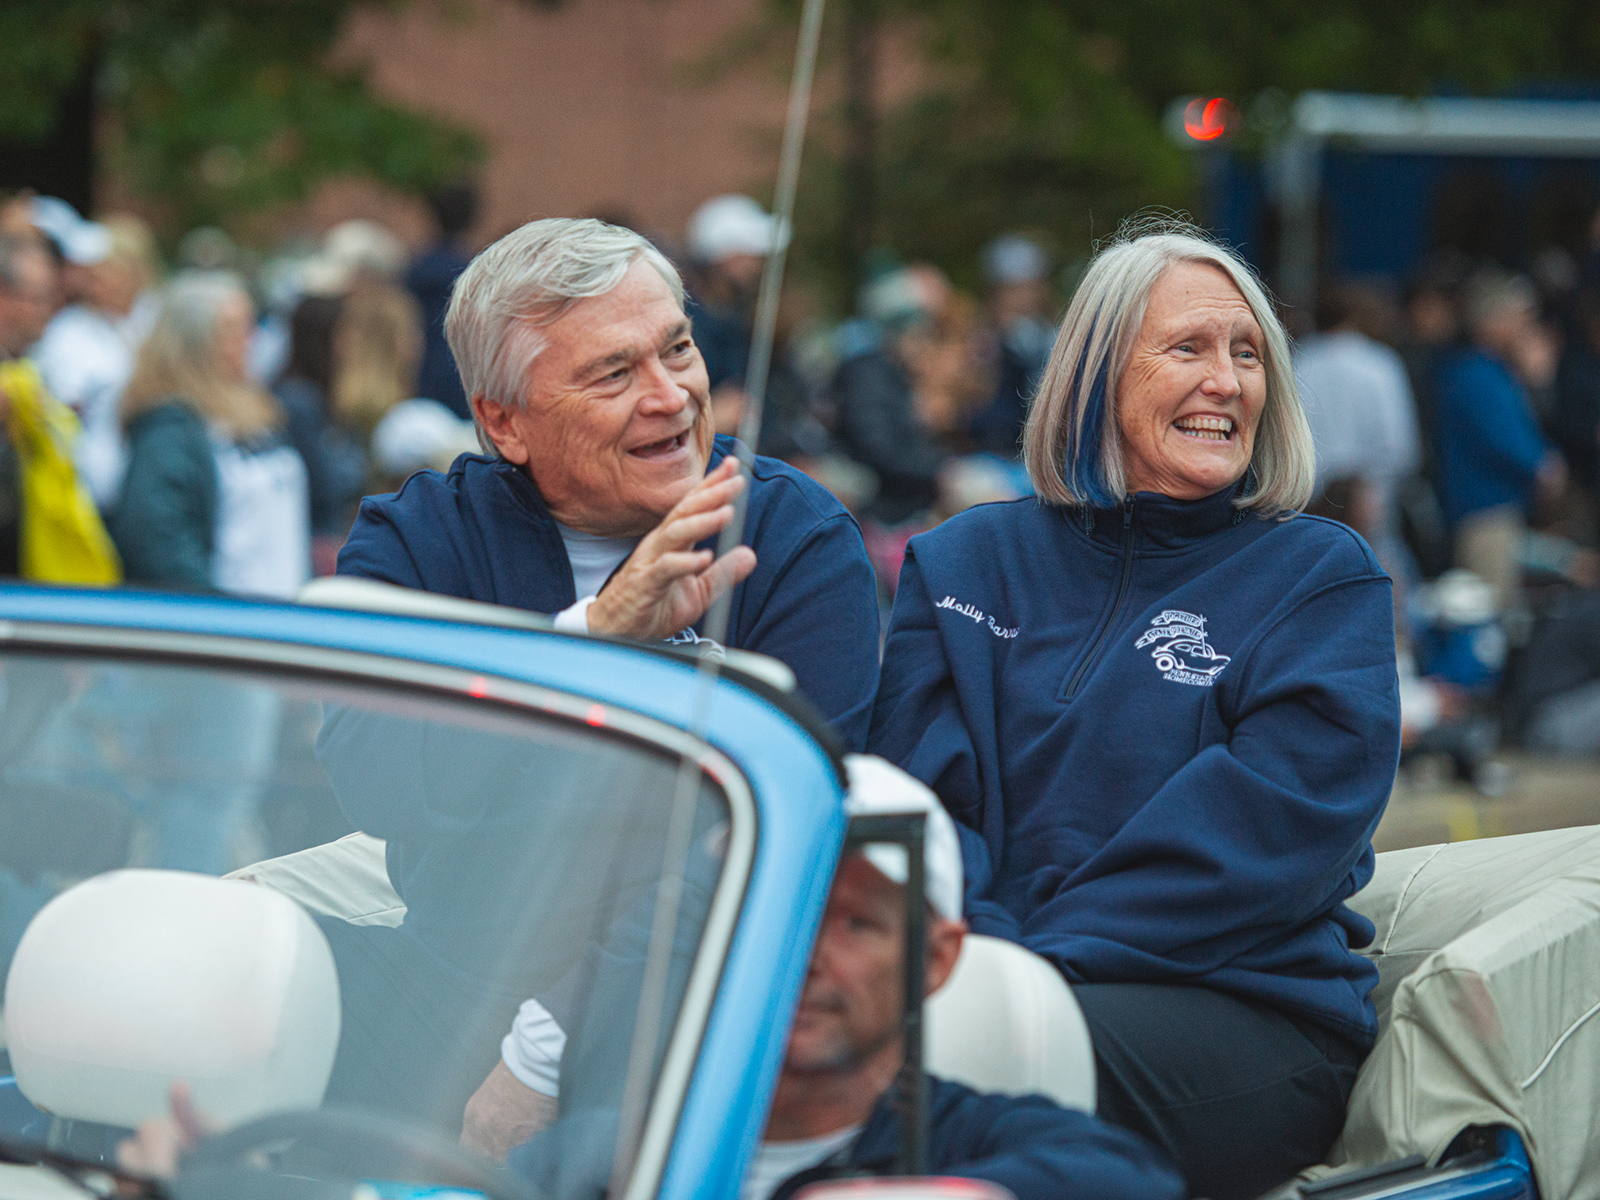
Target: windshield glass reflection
487, 859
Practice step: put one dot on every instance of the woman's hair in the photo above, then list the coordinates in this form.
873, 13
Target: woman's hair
180, 359
134, 245
311, 327
1072, 445
527, 279
377, 346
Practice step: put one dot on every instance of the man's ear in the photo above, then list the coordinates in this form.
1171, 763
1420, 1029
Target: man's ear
498, 421
944, 947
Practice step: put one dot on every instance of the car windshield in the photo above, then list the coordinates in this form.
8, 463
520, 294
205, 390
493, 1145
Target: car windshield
465, 861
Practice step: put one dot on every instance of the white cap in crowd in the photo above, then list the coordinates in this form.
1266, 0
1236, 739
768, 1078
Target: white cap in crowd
1014, 258
725, 226
905, 295
880, 788
81, 242
420, 433
360, 246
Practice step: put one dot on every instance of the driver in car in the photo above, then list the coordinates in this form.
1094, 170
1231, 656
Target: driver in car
602, 488
836, 1110
835, 1113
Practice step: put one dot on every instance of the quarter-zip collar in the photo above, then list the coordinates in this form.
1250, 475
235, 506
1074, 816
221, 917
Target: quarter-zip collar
1163, 523
518, 486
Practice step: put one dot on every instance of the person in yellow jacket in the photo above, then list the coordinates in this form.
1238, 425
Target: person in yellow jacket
50, 530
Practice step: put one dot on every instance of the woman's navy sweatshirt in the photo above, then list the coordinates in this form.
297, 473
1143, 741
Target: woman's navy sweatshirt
1167, 733
482, 532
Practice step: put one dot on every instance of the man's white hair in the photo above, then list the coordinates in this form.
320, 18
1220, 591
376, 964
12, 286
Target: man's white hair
526, 280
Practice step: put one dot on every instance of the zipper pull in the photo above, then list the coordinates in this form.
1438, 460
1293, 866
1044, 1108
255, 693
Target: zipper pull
1127, 512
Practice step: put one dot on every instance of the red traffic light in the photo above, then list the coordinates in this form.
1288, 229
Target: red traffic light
1207, 120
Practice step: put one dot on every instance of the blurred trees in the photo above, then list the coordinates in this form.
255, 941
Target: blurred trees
1027, 120
217, 109
1041, 114
1046, 114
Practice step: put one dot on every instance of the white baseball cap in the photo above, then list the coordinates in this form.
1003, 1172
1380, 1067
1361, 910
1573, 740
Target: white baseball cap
728, 225
360, 245
1014, 258
879, 788
82, 242
420, 433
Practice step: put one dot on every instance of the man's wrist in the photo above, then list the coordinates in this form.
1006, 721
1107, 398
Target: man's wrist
576, 618
610, 617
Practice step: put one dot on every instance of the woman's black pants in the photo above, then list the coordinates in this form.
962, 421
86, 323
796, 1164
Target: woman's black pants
1238, 1095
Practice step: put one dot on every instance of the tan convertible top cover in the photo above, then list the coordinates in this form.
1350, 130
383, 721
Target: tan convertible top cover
1488, 956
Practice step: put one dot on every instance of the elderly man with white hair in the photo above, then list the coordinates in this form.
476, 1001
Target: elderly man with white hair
603, 486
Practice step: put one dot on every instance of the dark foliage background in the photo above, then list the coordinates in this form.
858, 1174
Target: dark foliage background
217, 110
1037, 114
1046, 114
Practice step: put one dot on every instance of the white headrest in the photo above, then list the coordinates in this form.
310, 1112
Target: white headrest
134, 979
1006, 1021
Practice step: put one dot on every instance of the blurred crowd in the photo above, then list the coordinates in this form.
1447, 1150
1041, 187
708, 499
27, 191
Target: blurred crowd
228, 413
233, 411
909, 411
1458, 428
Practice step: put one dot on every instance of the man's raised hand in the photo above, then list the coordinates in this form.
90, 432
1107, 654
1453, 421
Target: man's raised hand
666, 584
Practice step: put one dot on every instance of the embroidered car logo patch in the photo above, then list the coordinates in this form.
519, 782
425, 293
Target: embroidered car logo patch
703, 646
1177, 642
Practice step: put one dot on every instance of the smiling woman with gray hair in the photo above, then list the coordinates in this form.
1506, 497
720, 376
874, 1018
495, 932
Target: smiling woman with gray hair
1165, 715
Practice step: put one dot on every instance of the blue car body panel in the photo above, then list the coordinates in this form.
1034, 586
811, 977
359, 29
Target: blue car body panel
795, 784
1501, 1172
801, 829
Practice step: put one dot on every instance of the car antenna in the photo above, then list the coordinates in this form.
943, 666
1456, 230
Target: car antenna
647, 1031
764, 330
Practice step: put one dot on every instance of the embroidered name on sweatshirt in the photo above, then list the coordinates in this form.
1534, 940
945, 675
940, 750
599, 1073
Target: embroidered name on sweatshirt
979, 616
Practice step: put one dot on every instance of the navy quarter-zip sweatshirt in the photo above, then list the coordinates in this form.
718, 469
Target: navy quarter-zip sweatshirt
1166, 732
1027, 1144
482, 532
1030, 1145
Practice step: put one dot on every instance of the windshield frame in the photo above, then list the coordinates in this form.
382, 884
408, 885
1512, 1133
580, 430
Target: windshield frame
507, 695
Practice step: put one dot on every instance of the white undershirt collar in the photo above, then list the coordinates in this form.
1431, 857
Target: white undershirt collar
593, 558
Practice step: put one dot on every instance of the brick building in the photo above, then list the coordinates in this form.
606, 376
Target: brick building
596, 107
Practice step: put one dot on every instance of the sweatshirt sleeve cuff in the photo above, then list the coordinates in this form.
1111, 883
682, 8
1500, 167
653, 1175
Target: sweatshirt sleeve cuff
576, 618
532, 1050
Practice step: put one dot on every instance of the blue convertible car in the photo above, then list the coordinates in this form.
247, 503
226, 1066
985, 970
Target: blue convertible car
641, 842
